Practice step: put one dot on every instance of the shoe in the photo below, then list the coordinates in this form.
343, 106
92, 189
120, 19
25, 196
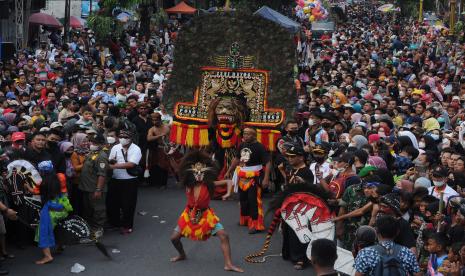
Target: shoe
8, 256
254, 231
126, 231
3, 271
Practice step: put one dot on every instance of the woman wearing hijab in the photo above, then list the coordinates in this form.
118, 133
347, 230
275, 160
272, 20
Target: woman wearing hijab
339, 99
358, 141
411, 136
427, 143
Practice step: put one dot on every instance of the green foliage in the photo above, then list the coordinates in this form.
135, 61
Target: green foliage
212, 35
104, 27
160, 17
104, 24
410, 8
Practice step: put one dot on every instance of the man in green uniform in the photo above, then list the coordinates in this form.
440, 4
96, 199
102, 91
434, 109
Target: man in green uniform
92, 184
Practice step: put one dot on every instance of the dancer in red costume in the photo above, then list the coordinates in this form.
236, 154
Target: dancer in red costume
198, 221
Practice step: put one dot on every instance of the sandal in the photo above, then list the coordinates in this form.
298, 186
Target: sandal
8, 256
299, 266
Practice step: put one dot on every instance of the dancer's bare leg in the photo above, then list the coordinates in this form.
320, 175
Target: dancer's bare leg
176, 241
226, 248
47, 257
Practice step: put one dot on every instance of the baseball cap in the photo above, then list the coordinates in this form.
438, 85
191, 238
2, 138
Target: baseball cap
439, 171
346, 157
16, 136
295, 150
11, 95
366, 170
55, 125
322, 148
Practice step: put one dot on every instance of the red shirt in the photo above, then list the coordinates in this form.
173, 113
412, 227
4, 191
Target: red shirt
203, 200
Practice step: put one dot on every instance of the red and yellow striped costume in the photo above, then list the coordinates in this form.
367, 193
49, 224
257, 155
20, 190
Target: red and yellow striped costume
246, 181
198, 229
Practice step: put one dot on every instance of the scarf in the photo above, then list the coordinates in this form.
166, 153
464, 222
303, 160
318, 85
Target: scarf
46, 236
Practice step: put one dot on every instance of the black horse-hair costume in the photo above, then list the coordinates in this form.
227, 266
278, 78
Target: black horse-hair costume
210, 175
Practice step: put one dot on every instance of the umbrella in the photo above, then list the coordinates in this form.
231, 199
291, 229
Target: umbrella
386, 8
123, 17
75, 22
44, 19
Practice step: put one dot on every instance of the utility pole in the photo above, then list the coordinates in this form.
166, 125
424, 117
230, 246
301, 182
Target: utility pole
19, 24
420, 13
90, 7
66, 24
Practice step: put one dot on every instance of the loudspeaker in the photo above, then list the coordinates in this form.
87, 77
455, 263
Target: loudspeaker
4, 9
7, 50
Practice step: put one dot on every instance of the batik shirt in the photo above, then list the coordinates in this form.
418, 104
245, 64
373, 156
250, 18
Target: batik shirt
353, 199
368, 258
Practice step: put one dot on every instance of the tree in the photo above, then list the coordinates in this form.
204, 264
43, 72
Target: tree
104, 21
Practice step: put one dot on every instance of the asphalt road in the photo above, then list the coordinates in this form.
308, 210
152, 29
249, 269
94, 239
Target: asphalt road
147, 250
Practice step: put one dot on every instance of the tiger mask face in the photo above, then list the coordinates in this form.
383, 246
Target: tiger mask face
198, 170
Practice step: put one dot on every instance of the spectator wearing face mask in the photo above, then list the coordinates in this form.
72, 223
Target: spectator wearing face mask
441, 190
122, 188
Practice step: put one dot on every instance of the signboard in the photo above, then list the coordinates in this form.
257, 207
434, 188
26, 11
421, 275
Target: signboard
85, 7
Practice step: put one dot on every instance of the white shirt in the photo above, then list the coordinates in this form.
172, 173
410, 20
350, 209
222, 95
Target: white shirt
158, 78
134, 155
323, 168
448, 192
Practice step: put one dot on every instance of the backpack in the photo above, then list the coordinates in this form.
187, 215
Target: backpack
390, 263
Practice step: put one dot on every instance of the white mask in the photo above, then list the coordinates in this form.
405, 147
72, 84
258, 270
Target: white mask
438, 183
94, 148
311, 122
421, 145
323, 109
124, 141
111, 140
377, 116
435, 136
26, 103
301, 101
352, 145
445, 143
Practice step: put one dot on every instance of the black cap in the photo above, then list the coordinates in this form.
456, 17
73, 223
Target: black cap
98, 139
439, 171
346, 157
295, 150
322, 148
